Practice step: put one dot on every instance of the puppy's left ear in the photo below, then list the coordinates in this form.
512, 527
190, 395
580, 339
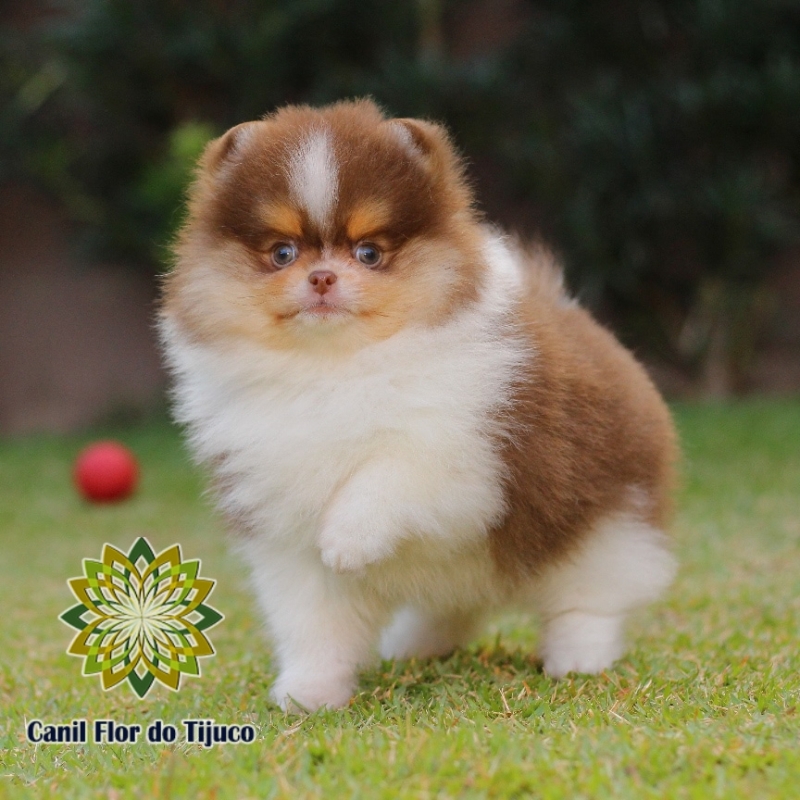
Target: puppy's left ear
426, 141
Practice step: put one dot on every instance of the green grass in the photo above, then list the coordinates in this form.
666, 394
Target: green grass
704, 705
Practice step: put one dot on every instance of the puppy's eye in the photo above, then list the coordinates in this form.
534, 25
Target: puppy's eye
284, 254
368, 254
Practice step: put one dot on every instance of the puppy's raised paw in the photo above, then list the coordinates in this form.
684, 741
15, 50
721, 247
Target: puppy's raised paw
348, 554
351, 545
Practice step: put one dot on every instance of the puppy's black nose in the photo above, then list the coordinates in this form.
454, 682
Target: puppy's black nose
322, 280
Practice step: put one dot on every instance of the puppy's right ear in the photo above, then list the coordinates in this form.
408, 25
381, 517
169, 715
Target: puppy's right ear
226, 147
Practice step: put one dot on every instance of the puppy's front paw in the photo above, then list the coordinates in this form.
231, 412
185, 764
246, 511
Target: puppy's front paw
345, 554
350, 546
300, 694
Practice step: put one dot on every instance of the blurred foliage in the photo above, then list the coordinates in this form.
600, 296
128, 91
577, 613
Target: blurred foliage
157, 196
654, 142
662, 138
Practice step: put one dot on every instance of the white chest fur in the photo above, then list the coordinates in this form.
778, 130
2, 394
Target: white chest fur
288, 432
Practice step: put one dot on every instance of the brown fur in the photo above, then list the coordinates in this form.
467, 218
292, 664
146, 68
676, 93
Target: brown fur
586, 425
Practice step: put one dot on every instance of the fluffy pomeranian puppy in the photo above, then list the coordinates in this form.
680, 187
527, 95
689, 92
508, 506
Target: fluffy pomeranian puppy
407, 420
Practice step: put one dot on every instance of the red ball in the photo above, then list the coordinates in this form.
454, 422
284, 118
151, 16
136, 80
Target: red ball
106, 472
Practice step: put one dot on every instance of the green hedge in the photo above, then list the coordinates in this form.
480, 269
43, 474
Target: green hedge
655, 143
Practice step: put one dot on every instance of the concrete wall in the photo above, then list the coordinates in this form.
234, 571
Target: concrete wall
76, 341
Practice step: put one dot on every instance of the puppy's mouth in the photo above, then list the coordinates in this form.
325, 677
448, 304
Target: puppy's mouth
322, 309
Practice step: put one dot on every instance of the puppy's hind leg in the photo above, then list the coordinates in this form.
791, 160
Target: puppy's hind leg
423, 634
584, 600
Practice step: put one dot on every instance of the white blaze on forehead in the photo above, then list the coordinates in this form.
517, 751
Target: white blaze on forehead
313, 176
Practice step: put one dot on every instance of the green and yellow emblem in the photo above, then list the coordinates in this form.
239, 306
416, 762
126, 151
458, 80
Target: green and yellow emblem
141, 617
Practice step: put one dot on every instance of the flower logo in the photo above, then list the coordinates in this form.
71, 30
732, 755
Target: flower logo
140, 617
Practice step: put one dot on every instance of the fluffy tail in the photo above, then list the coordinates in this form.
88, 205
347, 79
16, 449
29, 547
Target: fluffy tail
542, 273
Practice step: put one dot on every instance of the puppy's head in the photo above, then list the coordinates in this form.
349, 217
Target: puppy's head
325, 228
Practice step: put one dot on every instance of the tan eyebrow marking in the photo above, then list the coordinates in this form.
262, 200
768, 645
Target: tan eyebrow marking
367, 219
283, 219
